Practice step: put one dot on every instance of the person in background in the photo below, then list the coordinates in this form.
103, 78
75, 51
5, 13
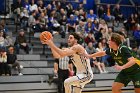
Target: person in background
4, 69
12, 60
21, 42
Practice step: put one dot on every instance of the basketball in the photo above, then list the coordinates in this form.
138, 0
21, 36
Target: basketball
45, 35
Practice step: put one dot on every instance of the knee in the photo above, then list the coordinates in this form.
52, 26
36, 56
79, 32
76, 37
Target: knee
66, 83
115, 88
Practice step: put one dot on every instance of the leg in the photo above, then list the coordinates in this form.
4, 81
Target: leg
116, 87
77, 89
68, 83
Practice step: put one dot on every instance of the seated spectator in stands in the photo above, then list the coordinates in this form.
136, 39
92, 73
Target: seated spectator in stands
101, 59
24, 18
89, 27
102, 24
81, 27
69, 9
2, 40
93, 61
98, 35
4, 69
8, 42
33, 6
82, 15
12, 60
71, 24
43, 22
63, 22
53, 24
108, 14
136, 35
118, 14
21, 42
4, 27
32, 20
41, 6
90, 38
26, 5
132, 21
91, 15
101, 12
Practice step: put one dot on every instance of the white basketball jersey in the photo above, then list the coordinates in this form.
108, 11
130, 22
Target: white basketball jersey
82, 64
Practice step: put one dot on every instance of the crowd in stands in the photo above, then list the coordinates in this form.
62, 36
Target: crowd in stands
62, 18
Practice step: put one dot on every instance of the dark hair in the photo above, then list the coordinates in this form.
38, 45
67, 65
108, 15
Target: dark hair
76, 36
116, 38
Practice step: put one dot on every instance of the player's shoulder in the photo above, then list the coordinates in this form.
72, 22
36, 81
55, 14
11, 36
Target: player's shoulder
77, 47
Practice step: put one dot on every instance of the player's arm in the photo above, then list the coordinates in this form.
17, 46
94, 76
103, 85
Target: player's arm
55, 54
131, 62
58, 51
97, 54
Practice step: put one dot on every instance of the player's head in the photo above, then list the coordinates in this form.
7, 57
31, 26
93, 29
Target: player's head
115, 40
73, 39
121, 34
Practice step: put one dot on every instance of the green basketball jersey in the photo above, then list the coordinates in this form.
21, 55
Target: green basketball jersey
121, 57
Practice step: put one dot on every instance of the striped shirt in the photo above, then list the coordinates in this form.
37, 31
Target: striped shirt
64, 62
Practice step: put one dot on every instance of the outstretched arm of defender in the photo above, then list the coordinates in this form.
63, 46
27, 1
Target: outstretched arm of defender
98, 54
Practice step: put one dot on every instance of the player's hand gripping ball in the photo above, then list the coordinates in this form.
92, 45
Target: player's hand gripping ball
45, 36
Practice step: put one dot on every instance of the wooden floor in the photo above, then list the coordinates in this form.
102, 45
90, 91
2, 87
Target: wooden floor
128, 91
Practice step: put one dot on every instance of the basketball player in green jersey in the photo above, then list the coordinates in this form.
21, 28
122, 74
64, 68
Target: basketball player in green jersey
130, 71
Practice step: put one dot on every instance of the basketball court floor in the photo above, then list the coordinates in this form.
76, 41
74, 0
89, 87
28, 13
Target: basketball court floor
126, 91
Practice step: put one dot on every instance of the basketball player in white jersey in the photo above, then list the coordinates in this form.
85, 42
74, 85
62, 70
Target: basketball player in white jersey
84, 72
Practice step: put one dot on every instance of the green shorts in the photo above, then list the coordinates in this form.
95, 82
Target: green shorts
125, 78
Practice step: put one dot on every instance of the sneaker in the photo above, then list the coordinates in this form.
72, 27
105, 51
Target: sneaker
55, 76
20, 74
105, 72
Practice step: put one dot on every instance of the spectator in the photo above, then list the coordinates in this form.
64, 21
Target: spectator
12, 60
4, 69
8, 42
109, 15
24, 18
91, 15
31, 20
89, 38
41, 6
2, 40
21, 42
69, 9
103, 25
136, 35
71, 24
33, 6
118, 14
90, 49
81, 27
101, 59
